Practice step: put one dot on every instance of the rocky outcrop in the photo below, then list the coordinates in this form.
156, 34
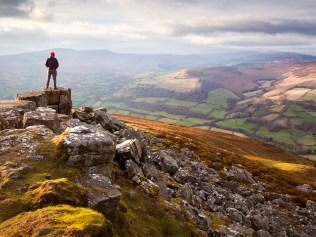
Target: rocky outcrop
12, 111
26, 139
42, 116
98, 116
104, 199
88, 145
59, 100
130, 149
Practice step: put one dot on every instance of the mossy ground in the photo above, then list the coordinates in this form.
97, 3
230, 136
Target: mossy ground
14, 198
57, 191
61, 220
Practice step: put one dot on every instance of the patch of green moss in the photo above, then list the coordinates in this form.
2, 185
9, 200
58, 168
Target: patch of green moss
14, 198
61, 220
58, 191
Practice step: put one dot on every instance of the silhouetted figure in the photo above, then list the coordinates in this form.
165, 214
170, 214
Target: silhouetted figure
52, 65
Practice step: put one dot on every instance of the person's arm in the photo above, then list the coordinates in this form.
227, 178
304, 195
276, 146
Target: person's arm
47, 62
57, 63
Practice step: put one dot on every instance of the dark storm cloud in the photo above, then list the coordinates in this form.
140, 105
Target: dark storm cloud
13, 8
249, 26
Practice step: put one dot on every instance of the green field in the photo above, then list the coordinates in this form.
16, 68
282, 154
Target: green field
237, 124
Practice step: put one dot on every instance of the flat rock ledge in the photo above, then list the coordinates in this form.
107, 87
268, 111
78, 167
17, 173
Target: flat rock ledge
59, 99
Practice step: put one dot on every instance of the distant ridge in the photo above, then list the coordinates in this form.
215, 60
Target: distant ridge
95, 61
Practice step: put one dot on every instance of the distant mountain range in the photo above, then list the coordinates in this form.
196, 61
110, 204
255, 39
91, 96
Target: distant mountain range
104, 61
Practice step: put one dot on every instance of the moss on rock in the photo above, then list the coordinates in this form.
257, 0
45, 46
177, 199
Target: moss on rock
61, 220
57, 191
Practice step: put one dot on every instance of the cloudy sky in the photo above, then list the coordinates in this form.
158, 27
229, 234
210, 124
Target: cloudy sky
158, 26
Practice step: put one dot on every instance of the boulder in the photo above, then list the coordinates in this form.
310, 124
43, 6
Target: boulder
104, 199
306, 188
88, 145
150, 188
240, 175
83, 116
108, 123
129, 150
184, 175
168, 164
11, 113
42, 116
133, 169
235, 214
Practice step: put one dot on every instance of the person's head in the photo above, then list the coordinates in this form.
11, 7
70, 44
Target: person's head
52, 54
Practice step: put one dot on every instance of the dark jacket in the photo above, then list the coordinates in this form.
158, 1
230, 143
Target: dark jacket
52, 63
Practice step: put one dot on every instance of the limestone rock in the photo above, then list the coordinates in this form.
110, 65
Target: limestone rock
11, 113
39, 97
42, 116
184, 175
241, 175
306, 188
133, 169
150, 188
129, 150
59, 99
98, 116
168, 163
107, 122
25, 139
88, 145
104, 199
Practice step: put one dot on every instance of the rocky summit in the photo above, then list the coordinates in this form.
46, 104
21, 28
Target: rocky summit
83, 172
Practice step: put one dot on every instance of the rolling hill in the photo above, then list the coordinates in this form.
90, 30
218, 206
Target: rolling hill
270, 101
270, 96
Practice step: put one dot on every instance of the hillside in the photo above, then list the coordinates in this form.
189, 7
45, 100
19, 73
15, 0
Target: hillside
268, 96
271, 101
91, 173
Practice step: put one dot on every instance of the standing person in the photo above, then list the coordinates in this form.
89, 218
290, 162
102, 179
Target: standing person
52, 65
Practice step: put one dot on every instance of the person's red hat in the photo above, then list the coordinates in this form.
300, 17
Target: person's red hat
52, 54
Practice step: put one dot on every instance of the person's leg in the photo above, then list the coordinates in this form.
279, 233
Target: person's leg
55, 79
49, 74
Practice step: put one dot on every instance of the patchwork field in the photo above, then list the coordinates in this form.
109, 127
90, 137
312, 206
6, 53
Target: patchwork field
274, 102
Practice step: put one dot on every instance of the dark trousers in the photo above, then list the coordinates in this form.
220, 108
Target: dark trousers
52, 73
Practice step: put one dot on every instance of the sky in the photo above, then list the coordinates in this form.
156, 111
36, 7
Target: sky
158, 26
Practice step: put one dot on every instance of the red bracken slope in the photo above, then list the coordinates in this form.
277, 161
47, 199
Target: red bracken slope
280, 169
